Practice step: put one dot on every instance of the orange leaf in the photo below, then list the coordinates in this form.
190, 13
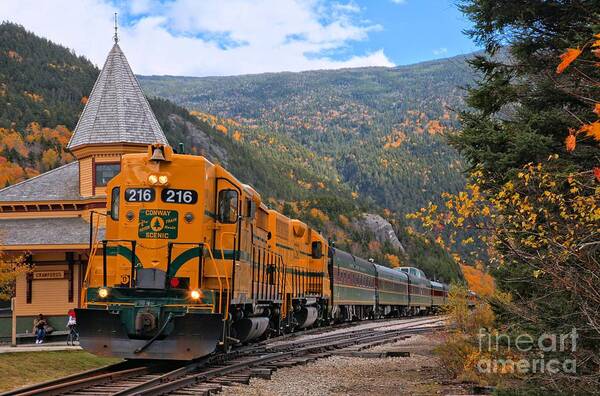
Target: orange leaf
597, 174
592, 130
597, 109
597, 42
570, 142
567, 58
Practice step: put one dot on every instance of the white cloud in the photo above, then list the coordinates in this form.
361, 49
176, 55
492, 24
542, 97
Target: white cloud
211, 37
440, 51
347, 7
137, 7
399, 1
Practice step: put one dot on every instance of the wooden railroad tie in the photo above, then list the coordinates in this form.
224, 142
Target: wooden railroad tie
372, 355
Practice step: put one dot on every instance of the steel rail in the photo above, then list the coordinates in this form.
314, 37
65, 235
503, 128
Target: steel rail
81, 383
73, 377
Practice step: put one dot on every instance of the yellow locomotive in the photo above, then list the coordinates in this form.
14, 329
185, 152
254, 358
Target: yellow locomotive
192, 258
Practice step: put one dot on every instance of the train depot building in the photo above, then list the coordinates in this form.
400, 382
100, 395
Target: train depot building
48, 219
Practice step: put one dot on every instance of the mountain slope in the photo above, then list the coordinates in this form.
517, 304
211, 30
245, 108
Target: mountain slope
379, 128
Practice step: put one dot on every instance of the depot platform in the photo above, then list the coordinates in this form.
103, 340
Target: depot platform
45, 347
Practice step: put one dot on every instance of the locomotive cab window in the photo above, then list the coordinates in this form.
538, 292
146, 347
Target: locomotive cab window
105, 172
317, 250
228, 206
115, 200
250, 208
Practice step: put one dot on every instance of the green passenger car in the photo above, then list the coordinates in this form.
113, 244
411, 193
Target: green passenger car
354, 281
392, 288
420, 289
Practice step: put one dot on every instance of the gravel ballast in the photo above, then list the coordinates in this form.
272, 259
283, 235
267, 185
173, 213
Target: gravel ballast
418, 374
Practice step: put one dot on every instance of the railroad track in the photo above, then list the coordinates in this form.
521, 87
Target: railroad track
210, 374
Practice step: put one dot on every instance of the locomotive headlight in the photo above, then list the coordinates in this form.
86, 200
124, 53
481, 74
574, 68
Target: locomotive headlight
152, 179
102, 292
162, 179
195, 294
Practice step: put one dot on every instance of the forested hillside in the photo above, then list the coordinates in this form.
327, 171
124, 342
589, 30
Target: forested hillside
379, 128
43, 91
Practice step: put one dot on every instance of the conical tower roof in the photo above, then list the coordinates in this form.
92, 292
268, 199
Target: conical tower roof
117, 110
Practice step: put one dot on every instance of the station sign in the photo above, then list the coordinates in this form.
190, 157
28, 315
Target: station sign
39, 275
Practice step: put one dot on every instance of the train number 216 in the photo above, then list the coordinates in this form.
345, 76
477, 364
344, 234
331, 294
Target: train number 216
179, 196
139, 195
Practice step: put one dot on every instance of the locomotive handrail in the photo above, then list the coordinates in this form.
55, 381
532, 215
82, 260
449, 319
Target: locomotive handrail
105, 243
223, 233
92, 213
212, 258
284, 284
93, 249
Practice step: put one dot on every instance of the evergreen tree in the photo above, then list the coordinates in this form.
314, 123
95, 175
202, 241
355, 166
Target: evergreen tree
526, 110
521, 112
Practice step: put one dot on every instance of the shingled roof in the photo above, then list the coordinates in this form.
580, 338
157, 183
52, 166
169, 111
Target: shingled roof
117, 110
61, 184
46, 231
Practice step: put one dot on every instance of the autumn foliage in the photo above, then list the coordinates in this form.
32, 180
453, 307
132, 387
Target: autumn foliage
10, 268
478, 280
32, 151
587, 129
567, 58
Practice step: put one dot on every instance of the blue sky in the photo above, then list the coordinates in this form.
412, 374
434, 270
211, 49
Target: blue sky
230, 37
416, 30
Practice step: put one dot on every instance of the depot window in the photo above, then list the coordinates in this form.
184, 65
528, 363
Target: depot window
105, 172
